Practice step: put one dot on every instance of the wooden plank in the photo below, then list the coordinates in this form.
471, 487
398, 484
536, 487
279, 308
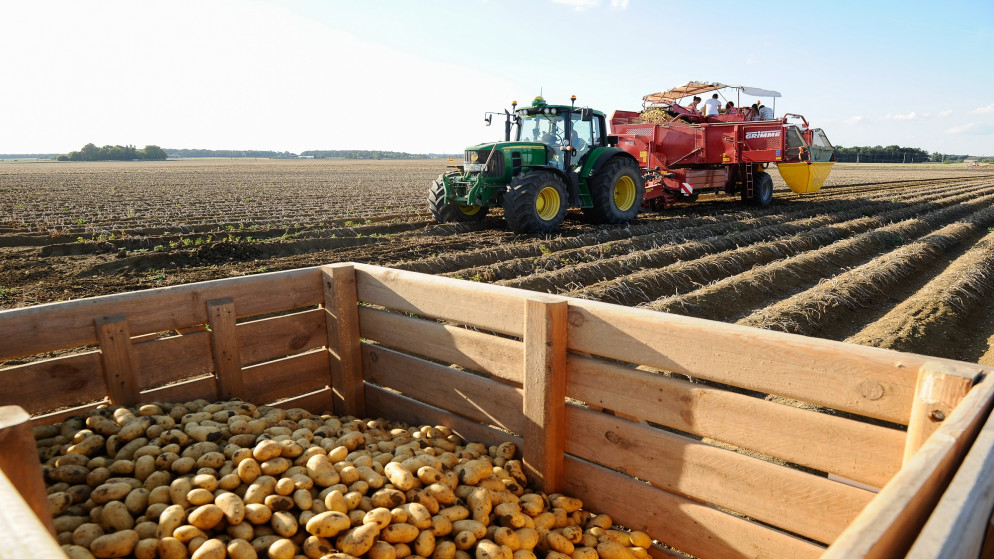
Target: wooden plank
888, 525
938, 391
115, 354
817, 440
342, 320
794, 501
692, 527
290, 376
167, 360
317, 402
545, 392
280, 336
956, 528
472, 396
225, 349
485, 306
53, 326
54, 383
20, 464
390, 405
863, 380
22, 533
204, 387
485, 353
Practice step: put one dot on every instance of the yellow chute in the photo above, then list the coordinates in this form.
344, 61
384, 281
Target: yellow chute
805, 177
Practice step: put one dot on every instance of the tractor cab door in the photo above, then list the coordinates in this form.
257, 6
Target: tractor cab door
584, 136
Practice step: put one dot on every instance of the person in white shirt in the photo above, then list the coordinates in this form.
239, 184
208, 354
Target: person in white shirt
765, 113
711, 106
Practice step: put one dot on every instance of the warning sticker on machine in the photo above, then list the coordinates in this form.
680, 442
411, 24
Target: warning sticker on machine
763, 134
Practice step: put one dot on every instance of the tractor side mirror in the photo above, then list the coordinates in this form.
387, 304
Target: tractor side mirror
487, 119
586, 114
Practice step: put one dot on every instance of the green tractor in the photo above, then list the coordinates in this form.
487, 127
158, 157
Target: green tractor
560, 157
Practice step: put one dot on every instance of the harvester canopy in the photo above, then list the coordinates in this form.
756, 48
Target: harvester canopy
697, 88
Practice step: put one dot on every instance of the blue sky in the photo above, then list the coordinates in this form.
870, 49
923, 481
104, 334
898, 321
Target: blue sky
417, 76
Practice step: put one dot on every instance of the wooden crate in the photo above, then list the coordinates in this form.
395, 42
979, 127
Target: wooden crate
718, 444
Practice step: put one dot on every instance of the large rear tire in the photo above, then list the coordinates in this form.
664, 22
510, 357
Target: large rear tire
535, 202
616, 191
445, 211
762, 190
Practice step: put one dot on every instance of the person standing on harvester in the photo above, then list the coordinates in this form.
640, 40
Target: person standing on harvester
711, 106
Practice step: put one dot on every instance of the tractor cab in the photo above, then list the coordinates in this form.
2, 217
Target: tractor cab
570, 132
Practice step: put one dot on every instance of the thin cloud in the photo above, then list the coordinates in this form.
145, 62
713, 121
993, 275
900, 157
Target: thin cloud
945, 113
855, 119
988, 110
580, 5
910, 116
619, 4
971, 128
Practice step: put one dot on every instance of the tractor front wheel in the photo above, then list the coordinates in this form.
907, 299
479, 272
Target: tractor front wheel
762, 190
445, 211
535, 202
616, 192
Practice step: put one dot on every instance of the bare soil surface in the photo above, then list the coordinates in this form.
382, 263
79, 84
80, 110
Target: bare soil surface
889, 256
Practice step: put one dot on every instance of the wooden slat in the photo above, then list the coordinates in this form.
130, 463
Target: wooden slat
689, 526
22, 534
118, 364
225, 349
545, 392
167, 360
342, 320
271, 338
53, 326
19, 463
476, 351
493, 308
938, 391
390, 405
472, 396
817, 440
797, 502
888, 525
317, 402
186, 391
54, 383
956, 528
864, 380
63, 414
286, 377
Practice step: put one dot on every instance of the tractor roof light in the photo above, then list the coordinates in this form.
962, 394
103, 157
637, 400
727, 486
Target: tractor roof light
538, 102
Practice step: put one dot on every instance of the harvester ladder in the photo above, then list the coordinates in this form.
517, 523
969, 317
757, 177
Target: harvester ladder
748, 185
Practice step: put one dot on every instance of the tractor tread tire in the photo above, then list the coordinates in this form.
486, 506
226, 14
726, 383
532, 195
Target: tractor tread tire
520, 199
602, 186
445, 212
762, 190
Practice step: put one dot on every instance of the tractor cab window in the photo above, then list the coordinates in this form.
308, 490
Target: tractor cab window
544, 129
583, 136
821, 149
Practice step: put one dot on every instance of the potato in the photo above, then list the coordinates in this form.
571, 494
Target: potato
424, 544
211, 549
401, 478
76, 552
284, 523
248, 470
444, 549
84, 534
257, 513
118, 544
613, 550
170, 519
282, 549
640, 539
59, 502
558, 542
329, 524
382, 550
116, 517
399, 533
585, 553
110, 492
147, 548
478, 529
241, 549
357, 541
321, 469
315, 547
487, 549
137, 501
171, 548
206, 516
231, 506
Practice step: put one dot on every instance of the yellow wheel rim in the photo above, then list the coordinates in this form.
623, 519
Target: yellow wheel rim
469, 210
624, 193
547, 203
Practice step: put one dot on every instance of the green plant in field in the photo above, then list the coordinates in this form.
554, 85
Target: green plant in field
262, 270
156, 275
186, 241
157, 248
129, 211
81, 221
8, 293
80, 240
544, 250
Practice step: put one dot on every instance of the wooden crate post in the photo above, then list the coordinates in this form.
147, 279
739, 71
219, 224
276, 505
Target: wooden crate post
19, 462
118, 363
225, 348
939, 389
545, 392
341, 305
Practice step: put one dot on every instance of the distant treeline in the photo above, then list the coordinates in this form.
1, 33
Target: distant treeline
892, 154
365, 154
91, 152
230, 153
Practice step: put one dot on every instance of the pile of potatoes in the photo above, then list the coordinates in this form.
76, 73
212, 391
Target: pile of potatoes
207, 480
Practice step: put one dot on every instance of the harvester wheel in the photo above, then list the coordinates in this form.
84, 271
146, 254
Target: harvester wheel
616, 191
446, 211
535, 202
762, 190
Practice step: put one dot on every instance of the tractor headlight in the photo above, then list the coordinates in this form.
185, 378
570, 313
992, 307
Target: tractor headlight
474, 167
553, 111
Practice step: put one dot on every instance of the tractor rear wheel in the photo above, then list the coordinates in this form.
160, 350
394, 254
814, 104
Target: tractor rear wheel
446, 211
762, 190
535, 202
616, 191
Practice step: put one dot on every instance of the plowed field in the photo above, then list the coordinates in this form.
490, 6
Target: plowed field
891, 256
